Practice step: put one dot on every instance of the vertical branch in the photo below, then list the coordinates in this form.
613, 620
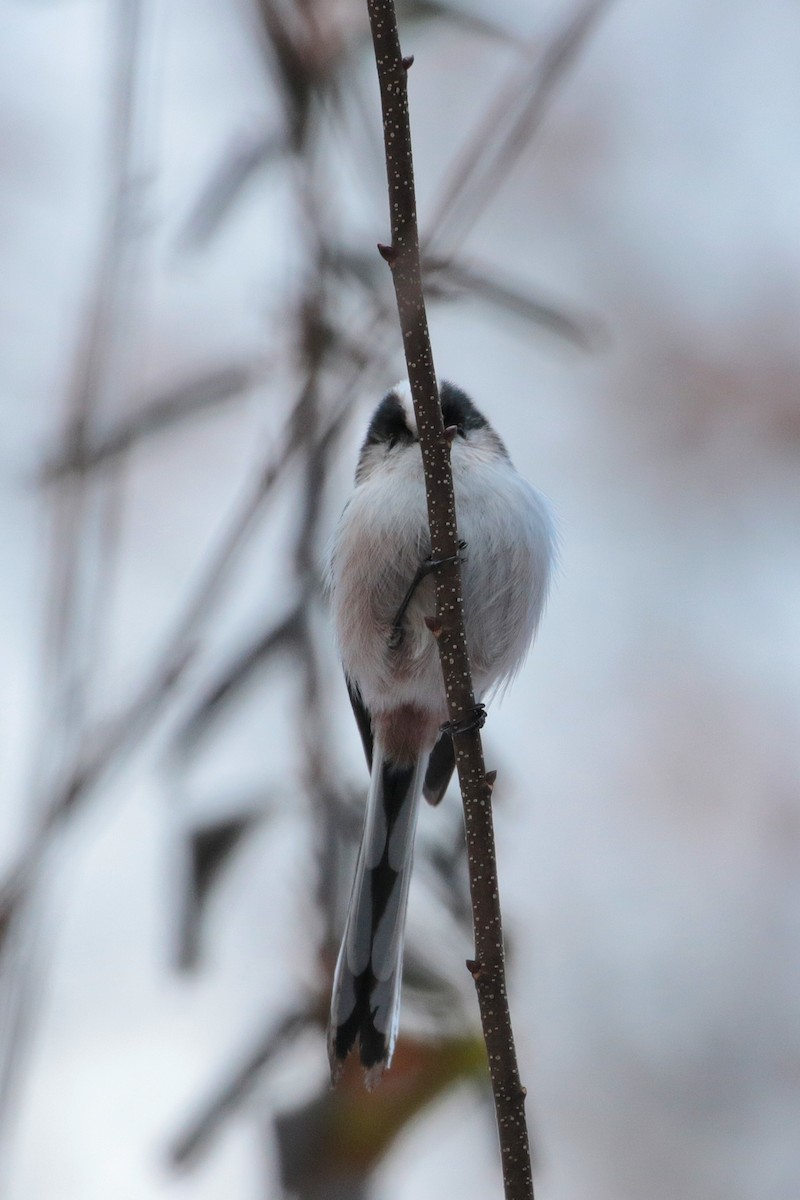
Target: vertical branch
488, 967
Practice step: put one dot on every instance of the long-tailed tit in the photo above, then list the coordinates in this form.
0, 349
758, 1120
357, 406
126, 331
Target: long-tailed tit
382, 590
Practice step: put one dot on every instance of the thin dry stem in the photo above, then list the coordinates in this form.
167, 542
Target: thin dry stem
488, 968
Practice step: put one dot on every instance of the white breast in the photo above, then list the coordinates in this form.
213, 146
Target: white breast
381, 541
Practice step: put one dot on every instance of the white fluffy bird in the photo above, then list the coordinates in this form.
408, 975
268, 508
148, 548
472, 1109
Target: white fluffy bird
382, 590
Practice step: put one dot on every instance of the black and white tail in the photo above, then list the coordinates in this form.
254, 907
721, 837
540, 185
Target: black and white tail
365, 1005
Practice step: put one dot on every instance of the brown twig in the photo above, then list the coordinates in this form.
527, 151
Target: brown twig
403, 257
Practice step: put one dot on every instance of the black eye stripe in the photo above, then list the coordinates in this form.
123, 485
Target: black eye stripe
388, 424
403, 438
458, 410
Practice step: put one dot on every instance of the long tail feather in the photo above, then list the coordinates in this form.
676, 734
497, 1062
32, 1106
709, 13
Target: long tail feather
365, 1005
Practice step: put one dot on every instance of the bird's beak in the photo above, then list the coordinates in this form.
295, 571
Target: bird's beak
450, 432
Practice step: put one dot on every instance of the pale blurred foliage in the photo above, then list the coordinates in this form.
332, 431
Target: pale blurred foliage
196, 328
